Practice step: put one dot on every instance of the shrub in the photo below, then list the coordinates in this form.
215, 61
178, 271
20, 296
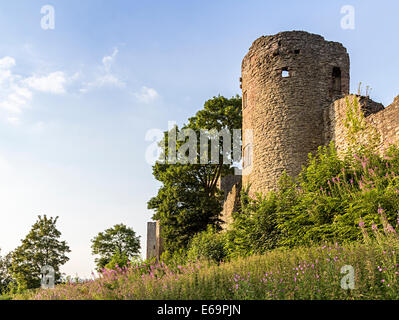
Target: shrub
118, 260
254, 230
324, 204
174, 258
208, 245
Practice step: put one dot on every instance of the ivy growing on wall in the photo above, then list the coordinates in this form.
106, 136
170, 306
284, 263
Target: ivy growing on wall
361, 135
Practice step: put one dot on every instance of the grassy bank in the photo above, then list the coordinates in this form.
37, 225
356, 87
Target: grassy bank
303, 273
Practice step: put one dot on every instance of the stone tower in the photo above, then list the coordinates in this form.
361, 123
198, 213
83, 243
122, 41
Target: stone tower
288, 80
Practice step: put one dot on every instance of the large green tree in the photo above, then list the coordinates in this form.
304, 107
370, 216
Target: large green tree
189, 199
118, 241
41, 247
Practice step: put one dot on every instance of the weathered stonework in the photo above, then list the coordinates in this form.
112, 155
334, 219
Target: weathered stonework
335, 115
387, 124
285, 114
154, 241
231, 185
292, 116
151, 240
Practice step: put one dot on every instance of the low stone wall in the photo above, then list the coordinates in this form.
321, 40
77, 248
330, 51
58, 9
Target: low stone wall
385, 120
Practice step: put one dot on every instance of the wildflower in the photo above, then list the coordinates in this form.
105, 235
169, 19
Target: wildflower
391, 229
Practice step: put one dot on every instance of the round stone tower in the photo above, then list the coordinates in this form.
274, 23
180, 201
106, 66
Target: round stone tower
287, 81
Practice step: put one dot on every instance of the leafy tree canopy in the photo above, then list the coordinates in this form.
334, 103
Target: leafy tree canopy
41, 247
119, 240
189, 199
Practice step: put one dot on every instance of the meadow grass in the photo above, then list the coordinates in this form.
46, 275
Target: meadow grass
281, 274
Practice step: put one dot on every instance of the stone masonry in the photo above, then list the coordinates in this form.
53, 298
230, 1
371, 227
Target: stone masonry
154, 241
288, 80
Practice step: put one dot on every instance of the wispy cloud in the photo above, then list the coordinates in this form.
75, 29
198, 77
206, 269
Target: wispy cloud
105, 76
147, 95
13, 96
109, 60
7, 63
17, 92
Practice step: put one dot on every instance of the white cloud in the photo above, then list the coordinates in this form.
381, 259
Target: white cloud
103, 81
16, 91
7, 63
14, 96
147, 95
109, 60
17, 98
51, 83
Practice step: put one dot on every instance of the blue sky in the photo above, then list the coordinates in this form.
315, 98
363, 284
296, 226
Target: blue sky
77, 101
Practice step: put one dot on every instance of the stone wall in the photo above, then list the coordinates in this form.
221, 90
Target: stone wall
231, 186
385, 120
387, 123
286, 113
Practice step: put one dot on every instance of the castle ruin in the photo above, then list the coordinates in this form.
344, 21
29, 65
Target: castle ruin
294, 90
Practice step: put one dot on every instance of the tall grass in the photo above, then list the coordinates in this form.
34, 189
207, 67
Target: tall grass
302, 273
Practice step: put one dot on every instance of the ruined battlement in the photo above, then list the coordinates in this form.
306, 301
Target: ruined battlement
288, 80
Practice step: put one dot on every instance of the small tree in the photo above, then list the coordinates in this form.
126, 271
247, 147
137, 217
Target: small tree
5, 276
41, 247
119, 240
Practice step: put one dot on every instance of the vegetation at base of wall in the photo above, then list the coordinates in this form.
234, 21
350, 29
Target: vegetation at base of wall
331, 196
326, 203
